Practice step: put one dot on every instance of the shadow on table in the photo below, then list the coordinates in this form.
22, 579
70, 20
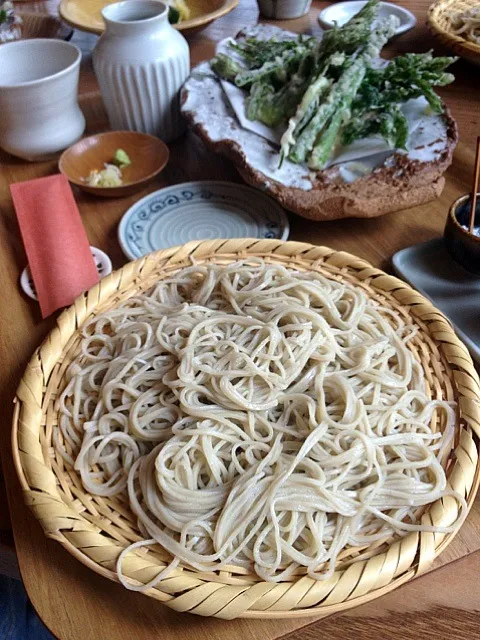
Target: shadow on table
18, 620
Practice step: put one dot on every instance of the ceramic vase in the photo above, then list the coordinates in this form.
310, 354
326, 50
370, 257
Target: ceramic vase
141, 63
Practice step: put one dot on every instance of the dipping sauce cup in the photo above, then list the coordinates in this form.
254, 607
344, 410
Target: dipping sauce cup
463, 246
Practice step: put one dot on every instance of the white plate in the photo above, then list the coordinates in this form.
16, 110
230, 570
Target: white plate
341, 12
199, 211
456, 292
102, 262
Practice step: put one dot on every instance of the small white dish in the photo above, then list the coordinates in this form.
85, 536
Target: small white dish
102, 262
341, 12
203, 210
455, 291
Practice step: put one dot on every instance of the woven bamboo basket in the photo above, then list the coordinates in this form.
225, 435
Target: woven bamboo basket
440, 22
95, 530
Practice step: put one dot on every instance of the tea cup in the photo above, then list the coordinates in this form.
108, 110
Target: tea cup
39, 109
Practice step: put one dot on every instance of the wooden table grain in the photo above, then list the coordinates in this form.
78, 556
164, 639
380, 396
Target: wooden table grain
75, 602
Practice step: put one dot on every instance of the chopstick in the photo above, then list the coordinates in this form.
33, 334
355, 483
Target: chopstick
476, 177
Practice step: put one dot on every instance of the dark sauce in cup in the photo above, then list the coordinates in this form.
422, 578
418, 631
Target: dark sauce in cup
463, 246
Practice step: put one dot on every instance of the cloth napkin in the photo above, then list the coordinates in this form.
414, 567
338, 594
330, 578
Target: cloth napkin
55, 241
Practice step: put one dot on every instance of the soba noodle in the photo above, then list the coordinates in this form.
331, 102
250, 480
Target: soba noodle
467, 24
255, 417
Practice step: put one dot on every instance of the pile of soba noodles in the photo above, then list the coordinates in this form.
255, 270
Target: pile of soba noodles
255, 417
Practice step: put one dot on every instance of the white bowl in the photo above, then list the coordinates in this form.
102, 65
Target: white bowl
341, 12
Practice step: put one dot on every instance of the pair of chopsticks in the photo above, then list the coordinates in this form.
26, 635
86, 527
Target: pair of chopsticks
476, 178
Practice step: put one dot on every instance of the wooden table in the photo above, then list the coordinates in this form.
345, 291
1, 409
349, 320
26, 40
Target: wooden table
76, 603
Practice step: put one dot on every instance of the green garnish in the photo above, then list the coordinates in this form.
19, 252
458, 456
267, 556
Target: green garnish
376, 107
226, 67
121, 159
330, 92
173, 15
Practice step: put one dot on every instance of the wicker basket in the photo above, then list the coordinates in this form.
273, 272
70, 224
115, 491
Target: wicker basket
95, 530
440, 22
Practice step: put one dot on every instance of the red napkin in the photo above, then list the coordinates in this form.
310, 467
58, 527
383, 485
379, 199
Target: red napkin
55, 241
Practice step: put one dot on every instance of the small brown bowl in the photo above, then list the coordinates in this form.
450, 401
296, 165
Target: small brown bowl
148, 154
463, 246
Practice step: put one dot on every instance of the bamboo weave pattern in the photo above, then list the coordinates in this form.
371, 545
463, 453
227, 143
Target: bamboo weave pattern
95, 529
440, 22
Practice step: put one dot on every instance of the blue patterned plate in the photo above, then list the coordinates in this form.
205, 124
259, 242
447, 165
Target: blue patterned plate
199, 211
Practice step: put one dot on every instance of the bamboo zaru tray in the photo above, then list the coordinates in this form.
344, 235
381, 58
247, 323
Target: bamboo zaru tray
440, 21
95, 530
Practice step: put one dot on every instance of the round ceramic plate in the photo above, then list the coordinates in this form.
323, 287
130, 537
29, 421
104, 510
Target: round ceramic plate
341, 12
199, 211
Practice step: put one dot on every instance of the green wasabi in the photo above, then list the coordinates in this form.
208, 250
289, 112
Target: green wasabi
121, 159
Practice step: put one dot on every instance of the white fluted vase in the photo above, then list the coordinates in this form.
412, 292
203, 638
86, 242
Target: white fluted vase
141, 63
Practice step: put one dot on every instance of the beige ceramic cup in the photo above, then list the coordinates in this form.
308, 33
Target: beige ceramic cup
39, 112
